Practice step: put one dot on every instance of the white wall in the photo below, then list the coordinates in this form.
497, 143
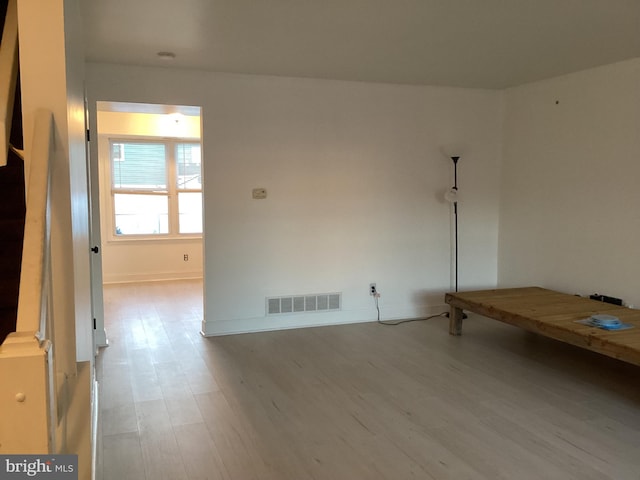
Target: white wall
137, 259
570, 206
355, 175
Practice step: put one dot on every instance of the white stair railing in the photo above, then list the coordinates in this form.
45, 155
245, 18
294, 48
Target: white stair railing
28, 394
8, 76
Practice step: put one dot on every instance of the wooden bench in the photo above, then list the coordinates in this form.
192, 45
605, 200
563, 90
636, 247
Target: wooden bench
553, 315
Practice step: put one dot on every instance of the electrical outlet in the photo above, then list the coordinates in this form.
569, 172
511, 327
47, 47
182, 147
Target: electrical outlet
372, 289
186, 257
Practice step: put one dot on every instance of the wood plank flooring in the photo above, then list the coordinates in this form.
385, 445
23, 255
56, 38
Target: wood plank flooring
361, 401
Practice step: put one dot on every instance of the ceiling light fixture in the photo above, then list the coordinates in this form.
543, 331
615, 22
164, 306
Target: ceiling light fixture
175, 118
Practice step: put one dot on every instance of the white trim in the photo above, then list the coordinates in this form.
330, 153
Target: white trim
285, 322
100, 337
8, 77
94, 428
133, 239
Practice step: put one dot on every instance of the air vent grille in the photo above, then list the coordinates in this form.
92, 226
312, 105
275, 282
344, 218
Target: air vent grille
320, 302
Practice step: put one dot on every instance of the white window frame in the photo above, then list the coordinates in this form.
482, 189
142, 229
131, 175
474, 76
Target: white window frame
171, 193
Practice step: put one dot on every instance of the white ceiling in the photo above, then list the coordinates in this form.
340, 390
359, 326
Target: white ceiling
466, 43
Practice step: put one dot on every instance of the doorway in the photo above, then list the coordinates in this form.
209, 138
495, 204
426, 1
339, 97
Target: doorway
149, 160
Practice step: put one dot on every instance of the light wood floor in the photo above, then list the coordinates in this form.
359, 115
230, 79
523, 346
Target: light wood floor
353, 402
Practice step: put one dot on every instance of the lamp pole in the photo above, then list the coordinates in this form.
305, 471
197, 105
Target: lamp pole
455, 216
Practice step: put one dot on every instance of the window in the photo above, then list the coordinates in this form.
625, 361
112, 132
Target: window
156, 188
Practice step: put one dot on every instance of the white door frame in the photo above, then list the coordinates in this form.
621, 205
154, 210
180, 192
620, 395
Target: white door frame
97, 300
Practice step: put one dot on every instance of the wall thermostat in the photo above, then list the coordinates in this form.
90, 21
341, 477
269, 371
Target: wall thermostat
259, 193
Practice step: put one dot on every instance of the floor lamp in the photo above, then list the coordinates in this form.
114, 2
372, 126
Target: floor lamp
452, 197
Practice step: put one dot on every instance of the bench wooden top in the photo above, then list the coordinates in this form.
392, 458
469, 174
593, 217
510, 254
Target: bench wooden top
554, 315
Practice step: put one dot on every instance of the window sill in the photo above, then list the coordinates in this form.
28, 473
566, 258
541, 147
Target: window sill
147, 239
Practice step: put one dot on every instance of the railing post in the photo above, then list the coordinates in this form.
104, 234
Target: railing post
24, 399
28, 398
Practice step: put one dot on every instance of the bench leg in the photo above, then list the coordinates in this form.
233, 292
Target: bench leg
455, 321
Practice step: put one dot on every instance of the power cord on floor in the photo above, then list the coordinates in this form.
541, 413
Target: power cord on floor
376, 296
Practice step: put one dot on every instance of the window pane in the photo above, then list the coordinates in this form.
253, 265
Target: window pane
190, 209
188, 158
141, 214
139, 165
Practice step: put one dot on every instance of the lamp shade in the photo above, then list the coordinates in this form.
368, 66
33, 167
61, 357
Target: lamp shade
451, 195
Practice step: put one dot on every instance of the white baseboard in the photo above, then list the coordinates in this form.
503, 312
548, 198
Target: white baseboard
94, 429
212, 328
101, 338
